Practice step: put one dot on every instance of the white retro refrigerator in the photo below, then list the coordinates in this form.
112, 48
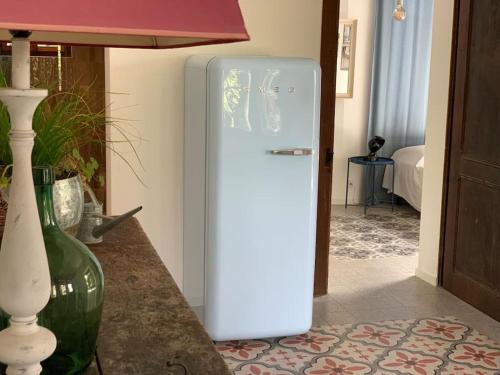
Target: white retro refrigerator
250, 192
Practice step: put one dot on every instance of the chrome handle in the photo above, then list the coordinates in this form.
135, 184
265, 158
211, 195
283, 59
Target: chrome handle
293, 152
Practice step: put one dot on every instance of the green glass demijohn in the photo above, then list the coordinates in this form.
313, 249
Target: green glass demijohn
74, 310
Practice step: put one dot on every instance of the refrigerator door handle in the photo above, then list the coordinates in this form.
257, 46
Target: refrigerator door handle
292, 152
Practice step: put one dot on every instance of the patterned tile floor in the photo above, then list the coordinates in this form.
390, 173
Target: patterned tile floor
386, 288
418, 346
380, 233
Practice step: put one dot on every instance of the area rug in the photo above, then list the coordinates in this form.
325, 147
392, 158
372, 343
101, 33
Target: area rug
400, 347
358, 236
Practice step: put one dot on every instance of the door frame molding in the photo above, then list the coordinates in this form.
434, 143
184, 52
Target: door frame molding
448, 140
328, 62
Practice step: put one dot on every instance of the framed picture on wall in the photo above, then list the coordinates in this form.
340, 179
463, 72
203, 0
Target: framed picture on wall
345, 58
347, 34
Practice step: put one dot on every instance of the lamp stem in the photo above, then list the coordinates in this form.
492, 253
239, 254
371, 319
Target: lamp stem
25, 284
21, 63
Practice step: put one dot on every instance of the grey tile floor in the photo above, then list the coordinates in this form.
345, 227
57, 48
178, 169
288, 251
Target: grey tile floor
387, 289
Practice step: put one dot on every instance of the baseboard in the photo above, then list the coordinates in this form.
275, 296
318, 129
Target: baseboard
341, 202
195, 301
427, 277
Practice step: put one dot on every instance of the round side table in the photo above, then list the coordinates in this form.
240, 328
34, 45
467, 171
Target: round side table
372, 164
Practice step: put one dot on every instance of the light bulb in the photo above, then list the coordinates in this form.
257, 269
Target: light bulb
399, 13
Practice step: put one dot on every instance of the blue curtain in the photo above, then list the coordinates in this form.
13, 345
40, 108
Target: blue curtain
400, 77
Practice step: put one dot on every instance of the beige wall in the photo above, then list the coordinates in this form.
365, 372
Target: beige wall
351, 115
435, 137
147, 89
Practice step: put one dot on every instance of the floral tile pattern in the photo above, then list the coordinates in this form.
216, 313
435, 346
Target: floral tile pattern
311, 342
374, 236
429, 346
410, 362
376, 335
242, 350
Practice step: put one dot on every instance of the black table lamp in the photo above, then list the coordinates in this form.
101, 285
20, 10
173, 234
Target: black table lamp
374, 145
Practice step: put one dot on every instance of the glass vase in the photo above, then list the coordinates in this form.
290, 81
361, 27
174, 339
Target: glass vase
74, 310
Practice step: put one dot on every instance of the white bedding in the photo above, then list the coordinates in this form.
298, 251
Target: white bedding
409, 174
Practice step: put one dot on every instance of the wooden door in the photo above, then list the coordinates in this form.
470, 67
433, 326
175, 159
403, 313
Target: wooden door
329, 42
471, 263
86, 68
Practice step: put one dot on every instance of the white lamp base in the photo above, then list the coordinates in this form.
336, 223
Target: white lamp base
24, 271
25, 360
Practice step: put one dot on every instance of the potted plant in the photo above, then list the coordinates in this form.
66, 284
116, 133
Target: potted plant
64, 124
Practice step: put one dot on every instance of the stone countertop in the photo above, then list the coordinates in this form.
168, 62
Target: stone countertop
146, 321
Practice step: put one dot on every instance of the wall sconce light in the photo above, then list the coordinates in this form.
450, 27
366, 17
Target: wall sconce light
399, 13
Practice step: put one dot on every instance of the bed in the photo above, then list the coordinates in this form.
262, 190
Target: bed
409, 163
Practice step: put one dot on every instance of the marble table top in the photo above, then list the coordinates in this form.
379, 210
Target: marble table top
147, 326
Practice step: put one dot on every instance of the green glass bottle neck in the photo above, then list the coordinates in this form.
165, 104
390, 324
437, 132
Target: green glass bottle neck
45, 202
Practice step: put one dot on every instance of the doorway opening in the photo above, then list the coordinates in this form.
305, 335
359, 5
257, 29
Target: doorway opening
361, 283
381, 103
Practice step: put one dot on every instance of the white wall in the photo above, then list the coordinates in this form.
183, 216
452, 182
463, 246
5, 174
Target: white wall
147, 87
351, 115
435, 138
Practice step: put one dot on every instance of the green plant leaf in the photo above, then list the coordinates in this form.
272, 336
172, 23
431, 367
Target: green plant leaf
65, 125
101, 180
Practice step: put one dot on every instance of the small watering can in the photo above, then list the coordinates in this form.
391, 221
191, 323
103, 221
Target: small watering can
94, 224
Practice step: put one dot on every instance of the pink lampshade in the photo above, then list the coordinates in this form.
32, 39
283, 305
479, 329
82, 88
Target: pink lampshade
125, 23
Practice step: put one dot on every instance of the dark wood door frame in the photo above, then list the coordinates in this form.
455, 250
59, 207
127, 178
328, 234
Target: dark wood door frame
449, 125
329, 44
